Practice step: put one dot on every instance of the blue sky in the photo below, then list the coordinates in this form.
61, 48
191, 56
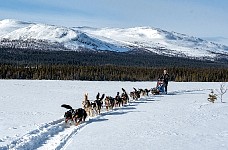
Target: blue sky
201, 18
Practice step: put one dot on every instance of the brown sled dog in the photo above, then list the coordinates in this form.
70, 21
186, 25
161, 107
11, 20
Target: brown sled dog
86, 104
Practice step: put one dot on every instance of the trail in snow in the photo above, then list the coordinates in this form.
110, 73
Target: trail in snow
184, 91
37, 137
57, 135
53, 135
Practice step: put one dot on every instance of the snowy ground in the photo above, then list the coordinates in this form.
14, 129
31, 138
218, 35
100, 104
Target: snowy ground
31, 117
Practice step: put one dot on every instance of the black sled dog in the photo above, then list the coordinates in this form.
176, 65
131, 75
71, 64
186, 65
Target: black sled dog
75, 115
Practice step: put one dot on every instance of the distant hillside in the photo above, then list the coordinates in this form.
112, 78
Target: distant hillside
39, 51
34, 36
132, 58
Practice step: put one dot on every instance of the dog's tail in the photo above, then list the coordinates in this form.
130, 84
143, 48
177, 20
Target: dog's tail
98, 95
124, 90
66, 106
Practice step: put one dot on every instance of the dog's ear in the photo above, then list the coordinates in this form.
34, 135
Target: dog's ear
86, 96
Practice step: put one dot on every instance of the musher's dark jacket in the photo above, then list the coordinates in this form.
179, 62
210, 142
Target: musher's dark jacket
165, 78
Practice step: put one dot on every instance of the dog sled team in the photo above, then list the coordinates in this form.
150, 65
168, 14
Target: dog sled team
93, 108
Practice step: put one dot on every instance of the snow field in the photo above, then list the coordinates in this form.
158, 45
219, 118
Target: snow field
31, 117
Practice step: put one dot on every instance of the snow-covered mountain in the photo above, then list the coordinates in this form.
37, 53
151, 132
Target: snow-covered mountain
18, 34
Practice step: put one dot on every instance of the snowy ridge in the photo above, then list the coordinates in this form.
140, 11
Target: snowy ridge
158, 41
70, 38
112, 39
9, 25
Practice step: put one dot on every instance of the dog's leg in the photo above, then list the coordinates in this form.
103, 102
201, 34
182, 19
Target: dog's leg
76, 121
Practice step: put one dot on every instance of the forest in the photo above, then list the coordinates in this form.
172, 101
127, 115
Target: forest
111, 73
106, 66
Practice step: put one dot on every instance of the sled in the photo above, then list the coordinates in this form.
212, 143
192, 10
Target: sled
159, 89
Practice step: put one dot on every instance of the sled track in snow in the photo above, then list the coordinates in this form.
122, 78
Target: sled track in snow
53, 135
184, 91
56, 134
37, 137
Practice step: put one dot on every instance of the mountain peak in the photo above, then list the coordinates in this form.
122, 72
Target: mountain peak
11, 22
113, 39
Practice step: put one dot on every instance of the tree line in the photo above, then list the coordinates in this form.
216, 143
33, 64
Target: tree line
136, 65
111, 73
137, 57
